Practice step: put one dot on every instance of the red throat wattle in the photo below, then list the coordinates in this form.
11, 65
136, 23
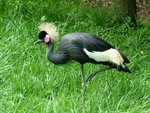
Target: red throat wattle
47, 39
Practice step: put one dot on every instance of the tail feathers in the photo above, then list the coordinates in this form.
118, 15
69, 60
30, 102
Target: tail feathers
121, 67
126, 60
124, 68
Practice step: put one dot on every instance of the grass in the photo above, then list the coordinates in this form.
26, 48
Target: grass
30, 83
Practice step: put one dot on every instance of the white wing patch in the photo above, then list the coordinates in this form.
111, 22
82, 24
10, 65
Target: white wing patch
111, 55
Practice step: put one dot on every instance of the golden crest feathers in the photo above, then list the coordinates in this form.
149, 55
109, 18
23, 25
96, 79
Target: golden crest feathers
51, 30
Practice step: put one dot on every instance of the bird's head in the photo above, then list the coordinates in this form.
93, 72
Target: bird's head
43, 38
48, 33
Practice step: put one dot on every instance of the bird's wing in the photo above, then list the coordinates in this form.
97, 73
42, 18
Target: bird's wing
91, 42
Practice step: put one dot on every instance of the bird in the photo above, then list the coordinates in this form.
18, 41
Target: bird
83, 48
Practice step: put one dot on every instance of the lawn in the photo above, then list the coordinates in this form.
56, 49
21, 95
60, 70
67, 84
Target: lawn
29, 83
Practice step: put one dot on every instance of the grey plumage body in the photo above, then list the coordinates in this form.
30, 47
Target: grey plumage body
71, 48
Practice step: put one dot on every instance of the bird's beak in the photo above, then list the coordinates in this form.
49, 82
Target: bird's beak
38, 41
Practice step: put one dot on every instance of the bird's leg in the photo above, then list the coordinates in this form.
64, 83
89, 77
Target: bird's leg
95, 72
83, 85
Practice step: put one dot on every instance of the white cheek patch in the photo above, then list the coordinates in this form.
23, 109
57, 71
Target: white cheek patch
110, 55
47, 39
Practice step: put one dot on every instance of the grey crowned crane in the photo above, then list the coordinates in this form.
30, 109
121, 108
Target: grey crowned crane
83, 48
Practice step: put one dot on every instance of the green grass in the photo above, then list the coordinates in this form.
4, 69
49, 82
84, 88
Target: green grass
30, 83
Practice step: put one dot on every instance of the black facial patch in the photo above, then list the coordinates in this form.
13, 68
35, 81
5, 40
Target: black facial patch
42, 34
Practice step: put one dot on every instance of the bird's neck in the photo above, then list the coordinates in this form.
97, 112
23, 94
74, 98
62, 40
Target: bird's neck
50, 48
56, 57
50, 54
